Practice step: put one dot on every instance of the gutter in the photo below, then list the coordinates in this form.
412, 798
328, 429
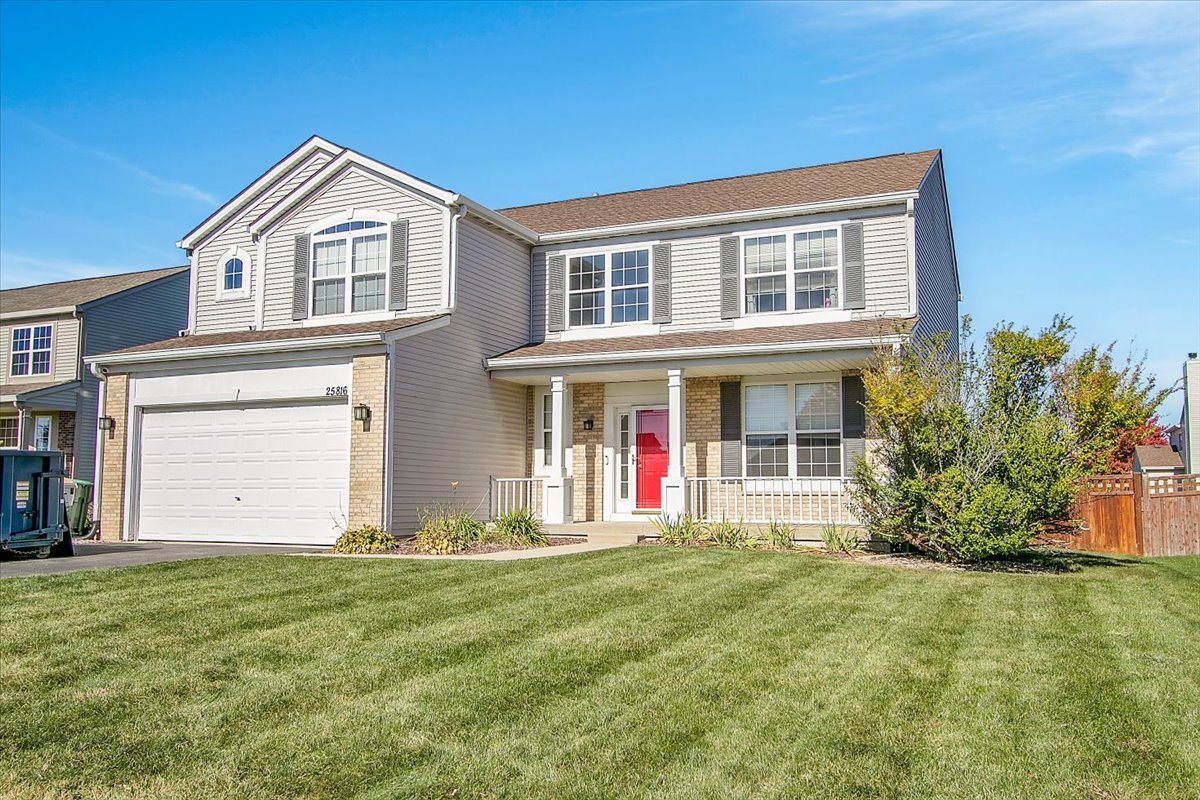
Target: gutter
684, 353
39, 312
256, 348
705, 220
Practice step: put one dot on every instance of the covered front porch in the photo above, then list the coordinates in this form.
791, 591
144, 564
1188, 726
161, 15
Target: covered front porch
40, 416
753, 438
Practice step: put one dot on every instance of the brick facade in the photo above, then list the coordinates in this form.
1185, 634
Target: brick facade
66, 441
587, 452
112, 481
368, 386
702, 420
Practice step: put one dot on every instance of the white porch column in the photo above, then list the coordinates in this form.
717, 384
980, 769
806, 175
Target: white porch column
674, 494
555, 498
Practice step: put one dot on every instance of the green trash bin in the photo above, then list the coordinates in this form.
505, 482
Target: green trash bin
77, 514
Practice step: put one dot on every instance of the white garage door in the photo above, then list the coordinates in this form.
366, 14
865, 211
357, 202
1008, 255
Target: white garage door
256, 474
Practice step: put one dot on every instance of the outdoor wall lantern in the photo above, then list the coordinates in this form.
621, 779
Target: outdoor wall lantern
588, 424
107, 424
362, 413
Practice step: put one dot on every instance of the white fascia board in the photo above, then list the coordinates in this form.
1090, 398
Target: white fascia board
222, 215
686, 353
59, 311
705, 220
495, 218
273, 346
318, 179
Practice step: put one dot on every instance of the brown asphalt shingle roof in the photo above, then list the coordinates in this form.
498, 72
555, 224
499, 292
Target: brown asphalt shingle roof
1157, 455
76, 293
282, 334
817, 332
847, 179
9, 389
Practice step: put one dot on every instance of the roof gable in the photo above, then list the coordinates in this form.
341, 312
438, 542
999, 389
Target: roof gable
871, 177
71, 294
258, 188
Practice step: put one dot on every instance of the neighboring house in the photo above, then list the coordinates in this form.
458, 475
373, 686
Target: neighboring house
47, 398
1156, 460
1187, 438
361, 340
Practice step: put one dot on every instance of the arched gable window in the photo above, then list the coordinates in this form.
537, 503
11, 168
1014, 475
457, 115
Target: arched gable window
349, 265
233, 274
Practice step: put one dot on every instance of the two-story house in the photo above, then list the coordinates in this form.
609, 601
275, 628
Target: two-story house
363, 344
47, 399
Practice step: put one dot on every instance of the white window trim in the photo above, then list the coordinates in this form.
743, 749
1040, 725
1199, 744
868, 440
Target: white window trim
790, 271
31, 375
348, 275
608, 252
50, 437
792, 479
15, 424
247, 274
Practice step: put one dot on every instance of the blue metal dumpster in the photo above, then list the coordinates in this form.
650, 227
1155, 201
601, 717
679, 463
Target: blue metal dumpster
31, 500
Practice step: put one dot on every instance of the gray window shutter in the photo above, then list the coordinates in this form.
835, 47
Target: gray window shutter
556, 281
398, 267
854, 421
853, 264
662, 283
730, 280
300, 277
731, 429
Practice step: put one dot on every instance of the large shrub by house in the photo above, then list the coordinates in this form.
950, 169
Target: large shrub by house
977, 453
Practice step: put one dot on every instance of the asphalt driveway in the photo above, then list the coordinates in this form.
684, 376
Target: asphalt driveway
110, 555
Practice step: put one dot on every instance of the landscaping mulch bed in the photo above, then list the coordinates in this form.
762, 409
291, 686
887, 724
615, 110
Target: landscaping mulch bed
408, 547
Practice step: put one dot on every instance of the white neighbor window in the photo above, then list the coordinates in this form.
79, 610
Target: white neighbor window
233, 274
349, 260
793, 430
792, 271
608, 288
8, 431
31, 350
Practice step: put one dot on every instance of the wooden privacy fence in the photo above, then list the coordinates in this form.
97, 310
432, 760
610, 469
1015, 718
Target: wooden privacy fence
1142, 516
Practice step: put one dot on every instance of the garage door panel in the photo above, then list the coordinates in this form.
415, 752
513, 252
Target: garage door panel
262, 474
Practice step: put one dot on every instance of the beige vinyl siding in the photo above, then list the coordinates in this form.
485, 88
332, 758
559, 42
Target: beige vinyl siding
1191, 416
64, 353
451, 422
885, 271
937, 288
356, 189
214, 315
696, 271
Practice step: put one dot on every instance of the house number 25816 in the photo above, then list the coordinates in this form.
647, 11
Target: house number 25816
336, 391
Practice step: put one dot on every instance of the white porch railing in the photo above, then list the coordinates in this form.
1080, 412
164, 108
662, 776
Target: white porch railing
515, 494
803, 501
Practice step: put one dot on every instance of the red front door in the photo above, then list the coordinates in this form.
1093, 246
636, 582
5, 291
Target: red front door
651, 457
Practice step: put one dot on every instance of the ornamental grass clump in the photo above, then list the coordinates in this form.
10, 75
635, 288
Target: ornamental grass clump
447, 531
840, 538
365, 540
519, 528
678, 529
779, 536
731, 535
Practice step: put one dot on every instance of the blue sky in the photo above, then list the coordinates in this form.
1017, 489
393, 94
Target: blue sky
1071, 131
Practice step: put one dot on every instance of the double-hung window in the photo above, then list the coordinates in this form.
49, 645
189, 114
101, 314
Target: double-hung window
794, 271
349, 267
31, 350
604, 287
793, 430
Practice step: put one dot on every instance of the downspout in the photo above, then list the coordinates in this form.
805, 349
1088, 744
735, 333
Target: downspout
101, 400
462, 212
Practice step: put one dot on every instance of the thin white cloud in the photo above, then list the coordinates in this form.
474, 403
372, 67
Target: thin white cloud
1056, 82
156, 183
19, 269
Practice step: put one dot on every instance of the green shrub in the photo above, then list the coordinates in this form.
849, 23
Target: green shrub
779, 536
520, 528
368, 539
840, 538
733, 535
446, 531
677, 529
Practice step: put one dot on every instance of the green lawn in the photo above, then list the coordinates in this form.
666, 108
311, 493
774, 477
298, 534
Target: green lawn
640, 672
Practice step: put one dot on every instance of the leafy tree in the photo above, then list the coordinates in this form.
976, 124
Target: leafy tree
974, 455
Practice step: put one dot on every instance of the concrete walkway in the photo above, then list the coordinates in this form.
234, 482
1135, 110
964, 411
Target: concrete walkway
110, 555
501, 555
